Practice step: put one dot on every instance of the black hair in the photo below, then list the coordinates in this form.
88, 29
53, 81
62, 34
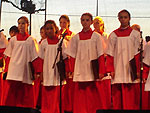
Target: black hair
52, 22
14, 29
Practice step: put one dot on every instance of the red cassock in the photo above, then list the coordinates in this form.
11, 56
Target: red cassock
1, 76
69, 86
21, 50
123, 46
146, 74
51, 78
84, 47
3, 44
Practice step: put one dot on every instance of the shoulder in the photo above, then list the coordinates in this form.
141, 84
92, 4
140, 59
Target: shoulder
43, 42
14, 38
75, 37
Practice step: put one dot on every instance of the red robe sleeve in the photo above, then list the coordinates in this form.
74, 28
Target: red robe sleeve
7, 60
101, 61
38, 65
146, 69
109, 63
67, 68
137, 60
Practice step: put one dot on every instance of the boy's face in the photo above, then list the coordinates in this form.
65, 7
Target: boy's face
86, 21
12, 33
42, 33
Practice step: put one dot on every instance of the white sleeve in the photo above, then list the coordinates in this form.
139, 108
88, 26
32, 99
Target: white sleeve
71, 49
34, 49
111, 44
9, 48
100, 45
137, 39
41, 52
146, 59
3, 41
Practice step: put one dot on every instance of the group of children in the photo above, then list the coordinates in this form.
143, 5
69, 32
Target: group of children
81, 91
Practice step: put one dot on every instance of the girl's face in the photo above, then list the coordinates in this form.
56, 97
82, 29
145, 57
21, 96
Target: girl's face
98, 25
42, 33
86, 22
63, 23
50, 30
124, 19
22, 26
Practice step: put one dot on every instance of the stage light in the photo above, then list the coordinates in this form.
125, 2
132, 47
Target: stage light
27, 6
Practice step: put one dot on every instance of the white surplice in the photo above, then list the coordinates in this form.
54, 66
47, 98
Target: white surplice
84, 51
21, 53
48, 53
146, 60
123, 49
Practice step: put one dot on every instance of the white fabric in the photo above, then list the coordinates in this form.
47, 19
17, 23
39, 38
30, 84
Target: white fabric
84, 51
146, 54
146, 60
48, 53
3, 40
21, 53
123, 50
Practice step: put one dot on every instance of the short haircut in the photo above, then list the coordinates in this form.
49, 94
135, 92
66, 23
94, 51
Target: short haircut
14, 29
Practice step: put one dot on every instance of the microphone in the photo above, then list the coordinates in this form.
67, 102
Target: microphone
1, 30
63, 34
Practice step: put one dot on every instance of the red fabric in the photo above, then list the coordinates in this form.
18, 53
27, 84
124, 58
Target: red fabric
37, 88
109, 64
137, 60
22, 37
71, 63
7, 60
104, 97
53, 40
85, 35
125, 96
85, 97
102, 68
67, 68
38, 65
123, 32
1, 88
51, 99
146, 69
24, 93
1, 52
145, 99
68, 95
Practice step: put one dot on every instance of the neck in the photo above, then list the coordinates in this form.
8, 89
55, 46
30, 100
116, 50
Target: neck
86, 29
124, 27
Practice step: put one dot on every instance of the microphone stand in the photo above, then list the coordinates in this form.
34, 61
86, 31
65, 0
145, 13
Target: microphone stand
141, 69
59, 51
